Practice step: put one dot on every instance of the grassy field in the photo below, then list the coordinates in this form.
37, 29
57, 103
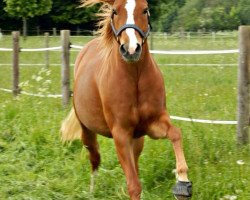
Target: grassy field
34, 164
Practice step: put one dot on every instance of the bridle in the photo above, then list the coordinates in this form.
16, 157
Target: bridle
118, 32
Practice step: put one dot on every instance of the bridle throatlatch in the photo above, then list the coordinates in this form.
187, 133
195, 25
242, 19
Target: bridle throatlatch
117, 33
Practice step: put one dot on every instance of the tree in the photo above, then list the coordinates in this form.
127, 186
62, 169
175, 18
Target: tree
164, 12
189, 16
209, 15
27, 9
70, 11
2, 14
244, 10
166, 15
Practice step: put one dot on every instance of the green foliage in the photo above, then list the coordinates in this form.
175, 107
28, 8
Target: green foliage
70, 11
244, 10
166, 15
27, 8
2, 12
209, 15
163, 13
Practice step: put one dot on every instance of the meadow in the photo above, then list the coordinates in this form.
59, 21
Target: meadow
34, 164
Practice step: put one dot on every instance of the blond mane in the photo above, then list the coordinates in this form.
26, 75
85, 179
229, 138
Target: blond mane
104, 31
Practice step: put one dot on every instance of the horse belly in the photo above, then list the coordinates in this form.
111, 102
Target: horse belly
88, 106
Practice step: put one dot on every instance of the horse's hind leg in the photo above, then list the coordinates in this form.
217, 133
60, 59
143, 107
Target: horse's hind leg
90, 142
138, 144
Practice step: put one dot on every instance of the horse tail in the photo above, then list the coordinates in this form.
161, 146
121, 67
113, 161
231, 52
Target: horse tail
71, 128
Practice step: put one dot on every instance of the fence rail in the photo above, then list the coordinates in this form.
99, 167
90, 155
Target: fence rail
160, 52
204, 121
243, 117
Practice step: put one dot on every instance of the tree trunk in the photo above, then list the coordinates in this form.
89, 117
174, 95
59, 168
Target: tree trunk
24, 28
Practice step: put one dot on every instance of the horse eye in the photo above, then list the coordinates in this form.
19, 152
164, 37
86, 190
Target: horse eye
114, 12
145, 11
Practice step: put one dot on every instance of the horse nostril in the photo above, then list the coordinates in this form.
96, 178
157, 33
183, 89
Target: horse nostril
123, 49
138, 48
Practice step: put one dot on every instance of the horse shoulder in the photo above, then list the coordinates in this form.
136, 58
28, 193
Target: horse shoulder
86, 51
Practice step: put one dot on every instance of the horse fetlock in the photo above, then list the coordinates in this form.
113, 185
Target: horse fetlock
182, 168
181, 171
95, 160
134, 192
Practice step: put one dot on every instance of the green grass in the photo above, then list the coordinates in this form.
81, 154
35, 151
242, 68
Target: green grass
34, 164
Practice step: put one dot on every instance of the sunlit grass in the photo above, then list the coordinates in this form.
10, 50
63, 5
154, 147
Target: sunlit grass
34, 164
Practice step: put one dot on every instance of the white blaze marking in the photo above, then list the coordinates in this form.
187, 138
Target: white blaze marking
130, 7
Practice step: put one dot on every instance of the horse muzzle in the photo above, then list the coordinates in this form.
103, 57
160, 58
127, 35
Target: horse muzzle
130, 54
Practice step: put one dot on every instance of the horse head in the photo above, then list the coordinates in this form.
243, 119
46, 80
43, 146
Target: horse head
131, 26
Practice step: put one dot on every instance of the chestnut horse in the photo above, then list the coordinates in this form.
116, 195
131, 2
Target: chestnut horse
119, 93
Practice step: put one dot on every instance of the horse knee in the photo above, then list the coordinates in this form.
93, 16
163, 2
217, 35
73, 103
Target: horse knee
174, 134
157, 131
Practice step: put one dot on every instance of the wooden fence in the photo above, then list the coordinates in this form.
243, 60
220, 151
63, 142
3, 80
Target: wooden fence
65, 71
243, 113
243, 116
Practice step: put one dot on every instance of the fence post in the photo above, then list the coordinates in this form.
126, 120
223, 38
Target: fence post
46, 38
78, 31
15, 63
38, 30
213, 36
244, 86
65, 67
54, 32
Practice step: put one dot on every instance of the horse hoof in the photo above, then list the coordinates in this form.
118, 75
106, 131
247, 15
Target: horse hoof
182, 190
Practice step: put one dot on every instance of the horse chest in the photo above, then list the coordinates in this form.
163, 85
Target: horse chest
144, 96
149, 109
151, 98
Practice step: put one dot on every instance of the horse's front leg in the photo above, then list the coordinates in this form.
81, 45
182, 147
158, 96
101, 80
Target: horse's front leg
124, 147
163, 129
183, 188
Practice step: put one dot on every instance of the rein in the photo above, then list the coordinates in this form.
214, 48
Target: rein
117, 33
